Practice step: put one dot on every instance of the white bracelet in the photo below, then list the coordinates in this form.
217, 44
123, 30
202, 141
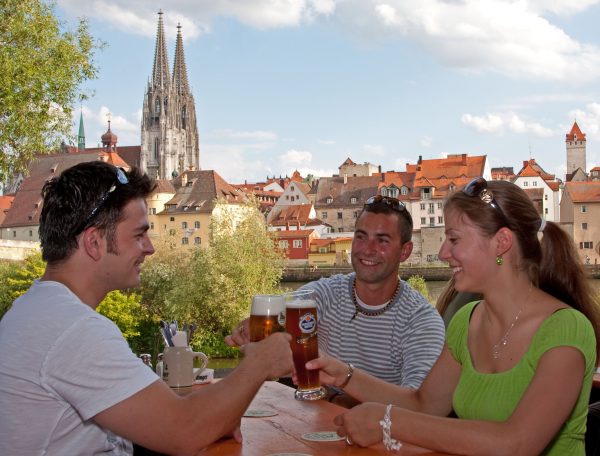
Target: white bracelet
390, 443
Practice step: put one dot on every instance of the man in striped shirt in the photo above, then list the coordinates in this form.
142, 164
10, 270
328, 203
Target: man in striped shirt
371, 318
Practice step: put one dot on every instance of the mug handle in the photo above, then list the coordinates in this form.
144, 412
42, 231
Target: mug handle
204, 359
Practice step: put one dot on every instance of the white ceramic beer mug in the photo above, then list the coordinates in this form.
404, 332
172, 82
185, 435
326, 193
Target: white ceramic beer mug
178, 366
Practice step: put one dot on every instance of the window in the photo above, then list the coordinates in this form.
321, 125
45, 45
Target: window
329, 200
324, 215
585, 245
184, 225
426, 193
151, 225
297, 243
339, 214
340, 230
292, 188
184, 241
583, 208
353, 200
432, 220
441, 220
546, 197
171, 232
546, 211
422, 220
172, 219
287, 197
283, 244
422, 206
439, 205
432, 257
534, 184
431, 208
292, 198
30, 233
355, 214
525, 184
322, 249
584, 226
197, 240
404, 191
196, 224
14, 234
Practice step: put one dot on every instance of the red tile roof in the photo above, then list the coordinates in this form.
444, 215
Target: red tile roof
27, 204
532, 169
292, 214
575, 133
584, 192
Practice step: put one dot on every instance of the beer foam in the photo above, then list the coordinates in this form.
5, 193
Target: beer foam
301, 304
267, 305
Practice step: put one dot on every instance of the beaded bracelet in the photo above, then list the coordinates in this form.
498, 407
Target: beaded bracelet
389, 442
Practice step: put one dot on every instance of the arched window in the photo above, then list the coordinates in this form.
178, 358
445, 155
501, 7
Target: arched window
157, 107
156, 149
183, 116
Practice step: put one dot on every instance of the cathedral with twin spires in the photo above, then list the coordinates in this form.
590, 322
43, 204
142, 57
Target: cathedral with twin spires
169, 133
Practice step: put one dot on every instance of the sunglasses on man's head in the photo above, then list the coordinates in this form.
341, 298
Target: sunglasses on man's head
393, 203
479, 187
121, 178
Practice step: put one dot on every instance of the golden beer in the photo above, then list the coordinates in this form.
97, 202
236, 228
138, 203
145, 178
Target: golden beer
301, 323
266, 316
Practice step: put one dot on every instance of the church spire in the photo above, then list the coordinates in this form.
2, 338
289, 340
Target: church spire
81, 134
180, 80
160, 72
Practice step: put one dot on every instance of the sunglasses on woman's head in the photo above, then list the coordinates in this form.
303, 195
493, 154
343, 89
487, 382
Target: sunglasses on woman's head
479, 187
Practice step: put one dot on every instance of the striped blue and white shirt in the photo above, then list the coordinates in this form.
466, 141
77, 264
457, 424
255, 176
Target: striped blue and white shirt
399, 346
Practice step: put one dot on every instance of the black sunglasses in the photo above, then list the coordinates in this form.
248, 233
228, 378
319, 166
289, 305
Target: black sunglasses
121, 179
479, 187
393, 203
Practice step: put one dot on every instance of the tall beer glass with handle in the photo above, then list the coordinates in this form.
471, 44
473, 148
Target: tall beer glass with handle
266, 316
301, 323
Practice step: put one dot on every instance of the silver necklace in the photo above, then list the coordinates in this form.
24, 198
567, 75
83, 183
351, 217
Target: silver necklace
503, 342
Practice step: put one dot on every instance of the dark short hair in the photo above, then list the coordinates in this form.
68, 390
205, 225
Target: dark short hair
79, 198
379, 206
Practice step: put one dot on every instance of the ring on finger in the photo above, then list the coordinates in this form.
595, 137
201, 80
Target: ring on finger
348, 441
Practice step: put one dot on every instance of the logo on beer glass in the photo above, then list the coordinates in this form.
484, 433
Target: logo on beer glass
307, 323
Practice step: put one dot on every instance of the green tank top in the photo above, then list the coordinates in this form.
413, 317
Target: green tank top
493, 397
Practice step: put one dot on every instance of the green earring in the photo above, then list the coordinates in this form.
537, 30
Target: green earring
499, 260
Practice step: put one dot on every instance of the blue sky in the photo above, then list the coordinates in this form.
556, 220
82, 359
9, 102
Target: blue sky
281, 85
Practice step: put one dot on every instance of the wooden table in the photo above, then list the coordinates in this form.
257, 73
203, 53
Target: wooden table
282, 433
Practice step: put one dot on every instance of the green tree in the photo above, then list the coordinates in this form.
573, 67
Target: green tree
214, 285
418, 283
42, 66
7, 270
124, 310
23, 276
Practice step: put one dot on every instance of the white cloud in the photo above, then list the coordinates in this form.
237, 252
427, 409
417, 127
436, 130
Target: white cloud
500, 123
514, 38
295, 157
588, 120
127, 128
426, 141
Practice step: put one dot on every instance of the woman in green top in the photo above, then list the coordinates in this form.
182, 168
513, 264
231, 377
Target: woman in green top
517, 366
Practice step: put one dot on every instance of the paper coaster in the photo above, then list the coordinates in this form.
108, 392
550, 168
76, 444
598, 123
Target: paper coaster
259, 413
325, 436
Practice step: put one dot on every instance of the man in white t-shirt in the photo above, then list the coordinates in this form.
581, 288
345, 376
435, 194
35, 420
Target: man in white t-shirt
69, 383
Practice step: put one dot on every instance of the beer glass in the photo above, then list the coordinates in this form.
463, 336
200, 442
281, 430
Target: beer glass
301, 323
266, 316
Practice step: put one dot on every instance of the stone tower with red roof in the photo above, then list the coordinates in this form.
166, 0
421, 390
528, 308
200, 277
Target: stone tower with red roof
575, 142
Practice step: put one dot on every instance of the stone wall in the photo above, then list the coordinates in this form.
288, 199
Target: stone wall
17, 250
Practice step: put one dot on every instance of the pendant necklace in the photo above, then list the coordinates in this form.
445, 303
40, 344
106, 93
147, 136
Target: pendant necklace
371, 313
503, 342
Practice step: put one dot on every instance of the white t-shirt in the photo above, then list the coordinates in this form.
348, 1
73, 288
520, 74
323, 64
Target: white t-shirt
61, 363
